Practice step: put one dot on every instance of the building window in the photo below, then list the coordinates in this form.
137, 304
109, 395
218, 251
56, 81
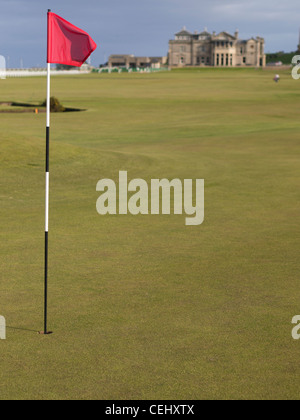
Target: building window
218, 59
244, 60
182, 60
227, 60
222, 60
182, 49
208, 61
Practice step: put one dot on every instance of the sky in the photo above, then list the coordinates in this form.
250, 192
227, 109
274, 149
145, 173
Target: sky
142, 27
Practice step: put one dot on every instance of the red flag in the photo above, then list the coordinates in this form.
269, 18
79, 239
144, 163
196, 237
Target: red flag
67, 44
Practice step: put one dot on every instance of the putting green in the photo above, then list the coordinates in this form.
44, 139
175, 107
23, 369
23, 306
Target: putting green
144, 307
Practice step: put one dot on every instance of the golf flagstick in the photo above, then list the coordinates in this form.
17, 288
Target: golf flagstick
46, 332
71, 46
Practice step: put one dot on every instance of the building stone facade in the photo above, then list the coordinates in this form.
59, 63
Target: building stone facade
217, 50
130, 61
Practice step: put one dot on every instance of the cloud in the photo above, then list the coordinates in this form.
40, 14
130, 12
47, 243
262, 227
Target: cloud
143, 27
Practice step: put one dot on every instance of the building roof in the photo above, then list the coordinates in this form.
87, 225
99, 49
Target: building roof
204, 33
224, 36
184, 32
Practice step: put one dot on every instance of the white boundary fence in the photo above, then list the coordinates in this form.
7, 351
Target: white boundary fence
42, 72
110, 70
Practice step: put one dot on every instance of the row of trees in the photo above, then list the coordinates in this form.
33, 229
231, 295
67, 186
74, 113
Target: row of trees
285, 58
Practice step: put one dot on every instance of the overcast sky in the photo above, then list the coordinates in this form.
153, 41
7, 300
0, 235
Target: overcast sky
143, 27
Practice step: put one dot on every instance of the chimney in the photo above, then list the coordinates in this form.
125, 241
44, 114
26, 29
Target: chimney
236, 34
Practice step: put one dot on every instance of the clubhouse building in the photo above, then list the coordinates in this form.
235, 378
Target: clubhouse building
217, 50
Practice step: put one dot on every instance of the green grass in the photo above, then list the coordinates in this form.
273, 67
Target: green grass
144, 307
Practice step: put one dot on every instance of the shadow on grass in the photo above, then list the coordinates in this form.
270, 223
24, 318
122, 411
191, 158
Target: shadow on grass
25, 105
20, 107
21, 329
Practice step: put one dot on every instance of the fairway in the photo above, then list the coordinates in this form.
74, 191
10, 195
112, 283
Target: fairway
144, 307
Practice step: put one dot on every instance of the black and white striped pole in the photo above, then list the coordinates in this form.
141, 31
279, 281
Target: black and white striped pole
46, 332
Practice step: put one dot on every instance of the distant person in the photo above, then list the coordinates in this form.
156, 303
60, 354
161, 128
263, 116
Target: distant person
276, 78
